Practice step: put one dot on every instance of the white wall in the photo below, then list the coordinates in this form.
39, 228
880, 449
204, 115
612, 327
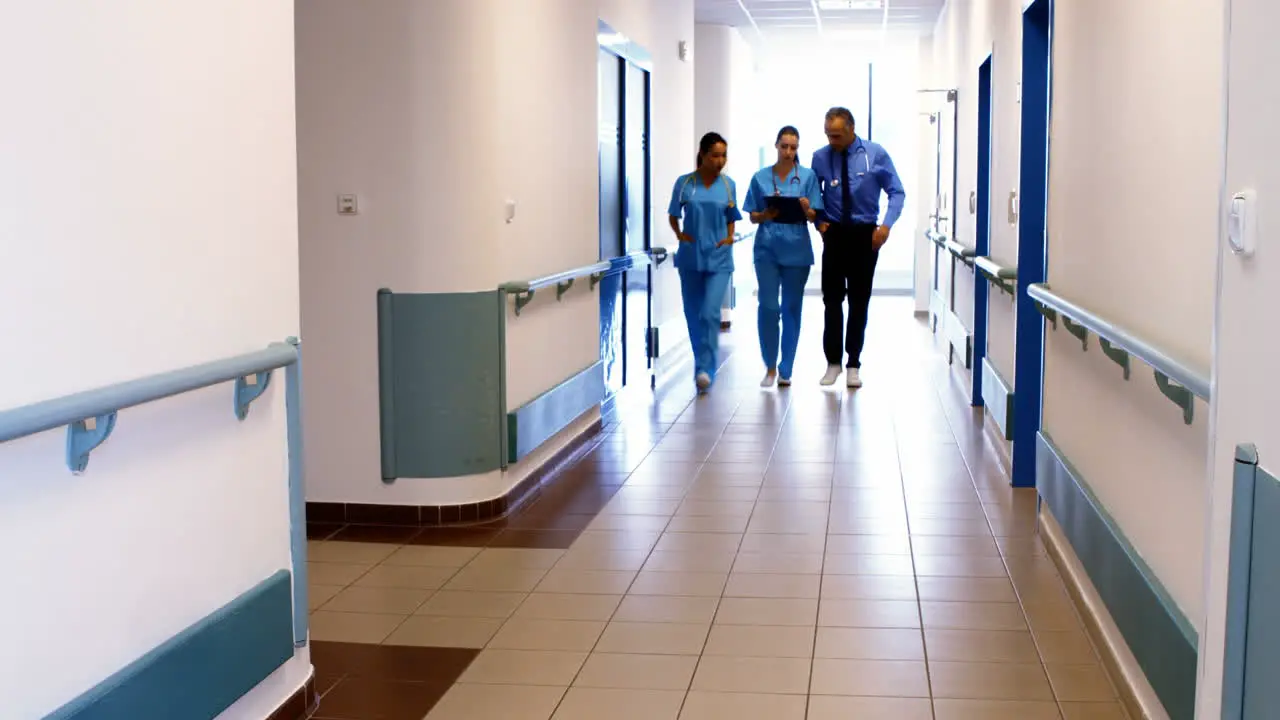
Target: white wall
1245, 390
148, 222
434, 151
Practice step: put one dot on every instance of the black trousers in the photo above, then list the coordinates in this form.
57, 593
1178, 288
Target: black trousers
848, 268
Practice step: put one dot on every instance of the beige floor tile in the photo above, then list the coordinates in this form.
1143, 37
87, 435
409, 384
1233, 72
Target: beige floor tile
603, 559
868, 526
870, 678
341, 574
586, 582
868, 644
767, 611
925, 545
783, 543
868, 545
523, 558
491, 580
713, 561
583, 703
714, 508
1092, 711
685, 584
989, 681
868, 587
390, 601
432, 556
779, 563
1068, 647
661, 609
509, 702
641, 523
563, 635
692, 542
960, 566
773, 586
524, 667
454, 603
318, 595
869, 613
560, 606
641, 672
900, 565
630, 505
1080, 683
828, 707
966, 589
350, 552
435, 631
406, 576
787, 676
972, 616
981, 646
996, 710
353, 627
616, 540
760, 641
1050, 617
701, 705
653, 638
705, 524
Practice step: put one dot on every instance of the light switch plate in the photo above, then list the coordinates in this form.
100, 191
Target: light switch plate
348, 205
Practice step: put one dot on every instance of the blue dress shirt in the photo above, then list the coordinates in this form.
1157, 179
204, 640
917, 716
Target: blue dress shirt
869, 171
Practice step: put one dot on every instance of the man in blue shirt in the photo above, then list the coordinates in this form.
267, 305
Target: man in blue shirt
852, 172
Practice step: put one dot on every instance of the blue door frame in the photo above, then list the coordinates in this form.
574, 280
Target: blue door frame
982, 242
1033, 240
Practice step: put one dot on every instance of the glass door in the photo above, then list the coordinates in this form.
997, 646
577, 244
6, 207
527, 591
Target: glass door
612, 219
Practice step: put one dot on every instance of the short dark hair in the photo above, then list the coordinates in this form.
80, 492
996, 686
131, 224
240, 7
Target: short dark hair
709, 141
842, 113
787, 130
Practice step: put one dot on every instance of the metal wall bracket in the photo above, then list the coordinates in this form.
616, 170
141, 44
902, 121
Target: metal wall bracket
1005, 287
1180, 396
595, 279
249, 389
84, 436
1049, 314
1118, 355
1078, 330
562, 288
522, 299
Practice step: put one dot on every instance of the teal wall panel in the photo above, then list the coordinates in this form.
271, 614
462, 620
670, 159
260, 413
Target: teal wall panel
998, 398
534, 423
204, 669
440, 381
1159, 635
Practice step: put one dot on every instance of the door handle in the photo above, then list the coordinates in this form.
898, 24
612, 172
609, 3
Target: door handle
1013, 207
973, 202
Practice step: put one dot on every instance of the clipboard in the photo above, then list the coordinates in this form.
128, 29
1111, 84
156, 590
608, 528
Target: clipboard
789, 209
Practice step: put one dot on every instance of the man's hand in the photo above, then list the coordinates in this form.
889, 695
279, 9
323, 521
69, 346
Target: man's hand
724, 242
823, 228
879, 237
804, 204
684, 237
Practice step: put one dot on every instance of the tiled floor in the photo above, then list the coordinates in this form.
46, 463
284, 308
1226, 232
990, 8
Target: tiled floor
771, 554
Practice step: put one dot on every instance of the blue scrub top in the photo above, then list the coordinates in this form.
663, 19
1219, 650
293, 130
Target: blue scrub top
707, 212
786, 244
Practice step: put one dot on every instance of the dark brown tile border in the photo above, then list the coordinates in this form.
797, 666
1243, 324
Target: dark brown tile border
301, 705
330, 517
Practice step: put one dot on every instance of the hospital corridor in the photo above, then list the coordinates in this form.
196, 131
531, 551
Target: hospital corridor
639, 360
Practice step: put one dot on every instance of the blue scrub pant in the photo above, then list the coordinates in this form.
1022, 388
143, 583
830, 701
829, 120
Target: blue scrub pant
703, 294
791, 280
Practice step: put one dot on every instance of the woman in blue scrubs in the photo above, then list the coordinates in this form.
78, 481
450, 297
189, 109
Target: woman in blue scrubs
707, 201
783, 253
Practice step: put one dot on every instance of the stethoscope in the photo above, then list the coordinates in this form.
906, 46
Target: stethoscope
689, 179
795, 179
866, 166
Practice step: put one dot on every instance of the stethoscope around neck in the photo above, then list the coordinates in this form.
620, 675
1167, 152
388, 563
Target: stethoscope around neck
795, 178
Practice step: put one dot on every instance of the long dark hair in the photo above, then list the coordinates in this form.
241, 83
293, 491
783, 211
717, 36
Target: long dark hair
709, 141
787, 130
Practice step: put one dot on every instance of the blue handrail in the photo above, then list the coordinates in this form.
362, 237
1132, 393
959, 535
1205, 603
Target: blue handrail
1178, 380
90, 417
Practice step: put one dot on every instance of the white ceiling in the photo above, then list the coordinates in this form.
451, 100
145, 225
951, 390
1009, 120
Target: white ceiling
776, 18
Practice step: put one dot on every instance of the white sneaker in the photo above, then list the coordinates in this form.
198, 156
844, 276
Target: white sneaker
833, 374
768, 380
703, 381
853, 379
784, 382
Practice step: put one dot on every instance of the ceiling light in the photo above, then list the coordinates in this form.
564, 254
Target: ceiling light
850, 4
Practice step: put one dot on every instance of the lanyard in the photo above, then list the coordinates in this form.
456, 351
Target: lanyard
795, 178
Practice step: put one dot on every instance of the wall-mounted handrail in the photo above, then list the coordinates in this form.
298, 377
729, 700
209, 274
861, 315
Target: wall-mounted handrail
999, 275
1177, 380
937, 238
960, 252
90, 417
523, 290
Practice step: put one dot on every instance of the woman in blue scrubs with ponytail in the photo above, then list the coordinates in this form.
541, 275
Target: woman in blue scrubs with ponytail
706, 200
783, 253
